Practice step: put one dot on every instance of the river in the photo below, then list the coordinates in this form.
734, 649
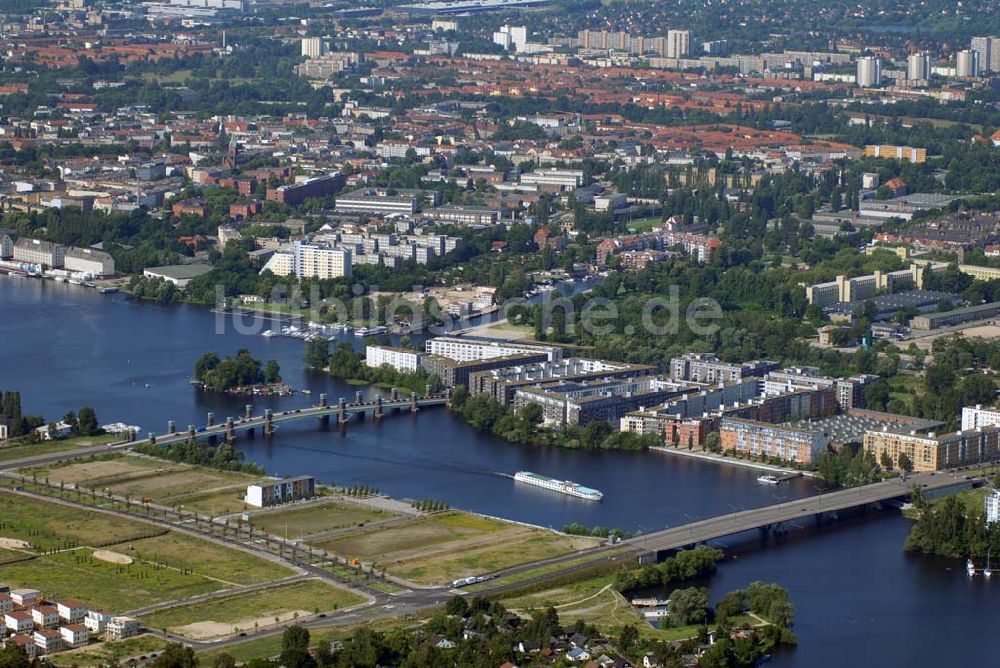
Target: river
66, 346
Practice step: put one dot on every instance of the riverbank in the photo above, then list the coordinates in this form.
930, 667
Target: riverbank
733, 461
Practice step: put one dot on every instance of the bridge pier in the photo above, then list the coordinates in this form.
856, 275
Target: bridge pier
341, 412
413, 403
359, 398
322, 400
247, 412
191, 433
210, 420
230, 431
447, 398
268, 423
171, 427
152, 438
394, 394
324, 421
378, 408
427, 390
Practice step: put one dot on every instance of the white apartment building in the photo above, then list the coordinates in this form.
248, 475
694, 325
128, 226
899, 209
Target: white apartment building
993, 507
967, 64
869, 71
468, 350
918, 66
977, 416
678, 43
314, 47
400, 359
323, 262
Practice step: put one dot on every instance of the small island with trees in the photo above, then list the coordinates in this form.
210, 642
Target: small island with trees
241, 374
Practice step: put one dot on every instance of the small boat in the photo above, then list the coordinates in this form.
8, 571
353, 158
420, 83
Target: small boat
307, 391
769, 479
267, 333
59, 279
970, 568
109, 290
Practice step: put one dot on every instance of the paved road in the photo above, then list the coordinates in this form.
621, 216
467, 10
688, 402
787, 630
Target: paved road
726, 525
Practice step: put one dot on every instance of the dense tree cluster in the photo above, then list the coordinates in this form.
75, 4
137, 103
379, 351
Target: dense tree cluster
242, 370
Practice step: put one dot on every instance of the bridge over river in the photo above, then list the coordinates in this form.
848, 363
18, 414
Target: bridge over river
268, 422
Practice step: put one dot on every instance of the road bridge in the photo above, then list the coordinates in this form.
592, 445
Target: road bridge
816, 507
342, 411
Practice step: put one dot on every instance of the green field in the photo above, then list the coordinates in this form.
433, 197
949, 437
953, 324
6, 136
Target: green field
223, 564
315, 518
50, 526
15, 452
109, 653
167, 567
444, 547
242, 611
166, 483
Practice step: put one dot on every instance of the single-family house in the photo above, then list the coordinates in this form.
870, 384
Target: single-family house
27, 643
19, 621
25, 597
48, 640
120, 628
45, 616
72, 611
74, 635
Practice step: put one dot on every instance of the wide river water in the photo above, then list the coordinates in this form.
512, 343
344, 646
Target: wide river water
860, 599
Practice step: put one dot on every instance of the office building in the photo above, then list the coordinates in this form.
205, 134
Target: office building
580, 402
849, 391
261, 495
314, 47
471, 216
400, 359
869, 71
678, 43
934, 452
369, 201
466, 350
918, 66
295, 194
967, 64
762, 439
503, 384
554, 179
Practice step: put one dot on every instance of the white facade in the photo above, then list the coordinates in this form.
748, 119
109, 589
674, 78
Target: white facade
976, 416
678, 43
96, 621
399, 359
36, 251
967, 64
468, 350
282, 263
869, 71
918, 66
74, 635
89, 261
119, 628
564, 178
314, 47
314, 261
993, 507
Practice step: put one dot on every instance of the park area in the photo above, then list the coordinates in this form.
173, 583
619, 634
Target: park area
446, 546
313, 519
114, 563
